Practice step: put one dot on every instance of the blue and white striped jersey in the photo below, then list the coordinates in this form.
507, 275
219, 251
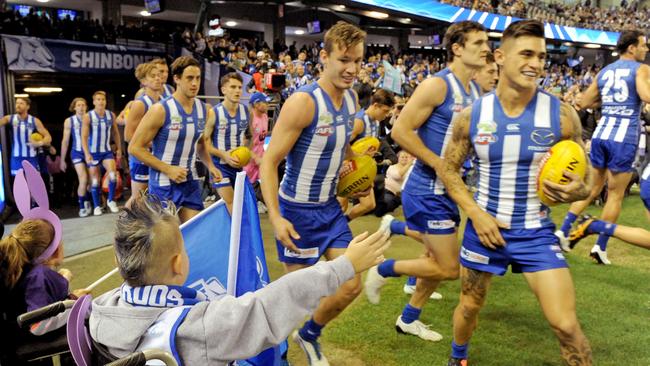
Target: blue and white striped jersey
22, 129
370, 126
314, 162
229, 130
75, 131
436, 132
508, 153
175, 143
167, 91
147, 101
99, 138
621, 105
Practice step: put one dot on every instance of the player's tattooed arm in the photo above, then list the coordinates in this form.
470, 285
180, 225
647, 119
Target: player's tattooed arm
455, 154
486, 226
577, 189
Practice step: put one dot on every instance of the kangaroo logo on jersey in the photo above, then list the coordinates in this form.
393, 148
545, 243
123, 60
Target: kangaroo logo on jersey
200, 124
542, 137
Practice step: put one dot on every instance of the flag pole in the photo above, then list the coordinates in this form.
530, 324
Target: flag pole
235, 233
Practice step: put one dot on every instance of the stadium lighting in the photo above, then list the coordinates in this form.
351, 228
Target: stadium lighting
341, 7
43, 1
568, 44
145, 13
494, 34
614, 53
592, 45
407, 20
21, 95
43, 89
377, 14
299, 32
231, 23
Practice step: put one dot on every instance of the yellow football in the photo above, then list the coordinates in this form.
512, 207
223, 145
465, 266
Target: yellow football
566, 155
243, 154
356, 175
36, 137
368, 145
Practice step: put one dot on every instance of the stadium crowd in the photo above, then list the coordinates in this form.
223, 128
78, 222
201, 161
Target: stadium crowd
581, 14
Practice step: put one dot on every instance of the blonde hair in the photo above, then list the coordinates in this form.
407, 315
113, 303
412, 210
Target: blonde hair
99, 92
74, 103
344, 35
142, 70
27, 241
158, 61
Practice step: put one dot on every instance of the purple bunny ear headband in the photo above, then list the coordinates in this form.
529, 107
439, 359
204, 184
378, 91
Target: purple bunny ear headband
27, 185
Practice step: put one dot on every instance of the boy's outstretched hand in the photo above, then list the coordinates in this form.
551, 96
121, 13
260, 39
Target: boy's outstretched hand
367, 250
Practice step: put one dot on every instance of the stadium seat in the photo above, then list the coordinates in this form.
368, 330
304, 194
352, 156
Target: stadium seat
25, 347
86, 352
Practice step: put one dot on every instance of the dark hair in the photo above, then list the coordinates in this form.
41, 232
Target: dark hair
456, 33
180, 64
489, 58
524, 28
383, 97
628, 38
230, 76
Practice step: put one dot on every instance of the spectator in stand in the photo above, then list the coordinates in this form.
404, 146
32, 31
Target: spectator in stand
395, 177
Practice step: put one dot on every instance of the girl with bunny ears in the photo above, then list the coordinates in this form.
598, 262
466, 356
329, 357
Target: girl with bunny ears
26, 254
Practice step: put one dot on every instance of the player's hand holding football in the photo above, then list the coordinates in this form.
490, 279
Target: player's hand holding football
361, 194
284, 232
487, 228
367, 250
233, 161
575, 190
177, 174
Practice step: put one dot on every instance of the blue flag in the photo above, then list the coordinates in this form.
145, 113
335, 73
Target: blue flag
227, 254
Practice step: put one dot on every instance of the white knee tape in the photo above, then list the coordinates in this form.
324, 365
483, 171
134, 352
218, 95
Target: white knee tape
95, 182
111, 176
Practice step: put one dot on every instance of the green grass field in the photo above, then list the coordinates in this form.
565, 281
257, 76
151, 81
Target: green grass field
613, 308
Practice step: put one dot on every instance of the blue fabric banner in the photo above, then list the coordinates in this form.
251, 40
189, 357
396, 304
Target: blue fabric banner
37, 54
227, 254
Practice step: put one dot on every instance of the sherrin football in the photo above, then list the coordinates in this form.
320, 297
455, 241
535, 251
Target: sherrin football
36, 137
565, 155
356, 175
368, 145
243, 154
